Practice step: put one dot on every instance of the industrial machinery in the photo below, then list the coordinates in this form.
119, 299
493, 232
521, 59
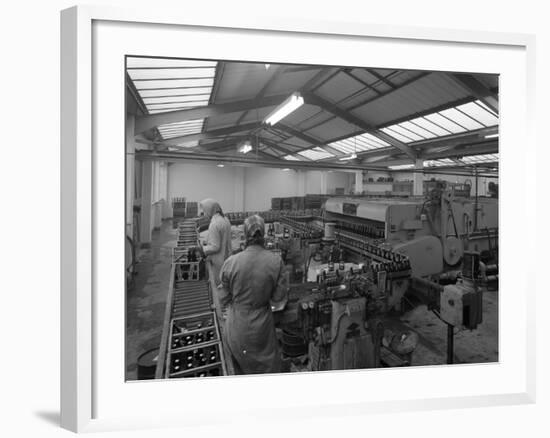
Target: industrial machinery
433, 231
371, 256
340, 316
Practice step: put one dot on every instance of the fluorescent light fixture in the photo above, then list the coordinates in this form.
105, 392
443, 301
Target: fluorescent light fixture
401, 167
221, 165
294, 101
351, 157
491, 135
286, 169
245, 148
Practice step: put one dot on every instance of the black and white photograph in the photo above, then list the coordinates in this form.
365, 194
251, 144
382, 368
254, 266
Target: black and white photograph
288, 218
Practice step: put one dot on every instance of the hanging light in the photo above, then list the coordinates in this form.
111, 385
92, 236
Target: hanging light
350, 157
294, 101
354, 155
245, 148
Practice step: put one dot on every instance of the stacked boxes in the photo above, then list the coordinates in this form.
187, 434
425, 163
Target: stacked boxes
276, 203
192, 209
308, 202
314, 202
178, 207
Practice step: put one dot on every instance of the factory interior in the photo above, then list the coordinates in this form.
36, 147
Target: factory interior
378, 190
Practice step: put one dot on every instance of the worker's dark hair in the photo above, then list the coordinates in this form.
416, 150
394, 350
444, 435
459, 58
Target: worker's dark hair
256, 239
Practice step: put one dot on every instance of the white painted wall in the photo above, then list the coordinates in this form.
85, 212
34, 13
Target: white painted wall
345, 180
248, 188
262, 184
197, 182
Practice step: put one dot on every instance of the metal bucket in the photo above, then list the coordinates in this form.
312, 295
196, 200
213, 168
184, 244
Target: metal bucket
147, 364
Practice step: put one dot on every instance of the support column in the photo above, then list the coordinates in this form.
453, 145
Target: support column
238, 192
358, 182
156, 196
146, 203
418, 178
301, 183
324, 177
130, 174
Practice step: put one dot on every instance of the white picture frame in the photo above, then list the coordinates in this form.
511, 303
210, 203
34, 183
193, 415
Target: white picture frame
90, 391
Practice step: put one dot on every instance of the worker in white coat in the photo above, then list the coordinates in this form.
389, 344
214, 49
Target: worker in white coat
218, 241
253, 284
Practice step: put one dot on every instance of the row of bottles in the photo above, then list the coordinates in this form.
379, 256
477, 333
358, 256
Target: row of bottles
186, 340
188, 360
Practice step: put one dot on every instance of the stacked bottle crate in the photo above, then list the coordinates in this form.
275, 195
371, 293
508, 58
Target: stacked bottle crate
195, 347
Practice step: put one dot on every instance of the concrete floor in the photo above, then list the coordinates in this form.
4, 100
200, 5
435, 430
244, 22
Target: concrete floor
147, 298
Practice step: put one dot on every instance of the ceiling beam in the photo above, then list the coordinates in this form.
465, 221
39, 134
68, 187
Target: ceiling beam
214, 133
278, 146
274, 162
487, 147
315, 142
350, 118
382, 78
478, 89
275, 72
145, 122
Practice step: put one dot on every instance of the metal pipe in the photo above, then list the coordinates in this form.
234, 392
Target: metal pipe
476, 200
450, 343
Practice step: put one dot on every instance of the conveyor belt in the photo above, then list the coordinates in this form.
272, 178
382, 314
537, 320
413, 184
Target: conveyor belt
191, 343
191, 297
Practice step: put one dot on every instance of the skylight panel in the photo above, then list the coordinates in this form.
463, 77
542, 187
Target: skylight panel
342, 147
316, 154
445, 123
485, 107
170, 99
359, 143
478, 112
138, 62
291, 158
176, 92
439, 163
401, 167
477, 159
391, 132
188, 144
430, 126
171, 74
417, 130
171, 84
461, 119
185, 123
166, 85
181, 128
371, 139
177, 105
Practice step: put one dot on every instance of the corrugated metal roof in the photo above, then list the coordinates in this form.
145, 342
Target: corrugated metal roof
241, 81
168, 84
223, 121
428, 92
290, 81
339, 87
332, 129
